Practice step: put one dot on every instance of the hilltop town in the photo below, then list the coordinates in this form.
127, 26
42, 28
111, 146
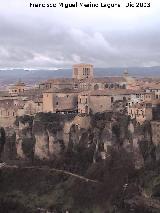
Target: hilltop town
82, 94
82, 138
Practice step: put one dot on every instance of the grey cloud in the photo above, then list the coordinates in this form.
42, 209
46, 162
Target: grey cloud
38, 43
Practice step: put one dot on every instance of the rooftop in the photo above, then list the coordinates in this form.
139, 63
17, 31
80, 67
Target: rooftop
66, 90
109, 92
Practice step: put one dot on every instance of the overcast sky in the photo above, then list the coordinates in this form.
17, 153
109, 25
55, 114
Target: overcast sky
56, 37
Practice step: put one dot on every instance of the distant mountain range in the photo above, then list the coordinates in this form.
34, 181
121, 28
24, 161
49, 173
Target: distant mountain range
30, 76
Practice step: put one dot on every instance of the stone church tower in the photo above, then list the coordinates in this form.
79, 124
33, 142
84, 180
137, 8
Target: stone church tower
82, 71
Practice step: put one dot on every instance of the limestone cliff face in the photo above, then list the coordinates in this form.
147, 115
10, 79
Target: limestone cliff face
49, 136
49, 141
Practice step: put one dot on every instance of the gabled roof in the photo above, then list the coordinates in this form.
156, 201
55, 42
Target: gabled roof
66, 90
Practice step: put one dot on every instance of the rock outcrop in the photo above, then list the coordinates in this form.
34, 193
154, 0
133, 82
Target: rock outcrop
49, 136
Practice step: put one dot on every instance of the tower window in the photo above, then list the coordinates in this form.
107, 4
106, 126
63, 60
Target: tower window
112, 99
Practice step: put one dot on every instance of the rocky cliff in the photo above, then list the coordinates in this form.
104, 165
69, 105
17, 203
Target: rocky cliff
110, 149
50, 136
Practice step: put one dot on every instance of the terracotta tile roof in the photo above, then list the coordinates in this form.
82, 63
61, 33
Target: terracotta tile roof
66, 90
115, 92
115, 79
59, 81
155, 86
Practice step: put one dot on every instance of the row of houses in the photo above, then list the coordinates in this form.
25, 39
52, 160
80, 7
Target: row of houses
82, 94
64, 100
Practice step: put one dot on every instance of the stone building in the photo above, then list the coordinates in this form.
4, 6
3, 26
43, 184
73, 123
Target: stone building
140, 111
83, 93
139, 96
17, 88
108, 83
154, 88
25, 103
101, 100
60, 83
31, 107
60, 101
82, 71
83, 79
9, 110
146, 110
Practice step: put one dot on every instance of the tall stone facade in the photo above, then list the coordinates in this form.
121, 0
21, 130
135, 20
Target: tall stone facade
82, 71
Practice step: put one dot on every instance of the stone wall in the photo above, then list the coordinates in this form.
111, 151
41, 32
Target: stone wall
53, 102
100, 103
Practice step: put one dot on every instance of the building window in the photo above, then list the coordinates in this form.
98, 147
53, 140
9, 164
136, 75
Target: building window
124, 99
86, 109
56, 103
88, 71
96, 87
83, 71
112, 86
76, 86
123, 86
106, 86
112, 99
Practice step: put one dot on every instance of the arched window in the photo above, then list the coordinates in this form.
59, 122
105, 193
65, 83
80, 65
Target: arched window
112, 86
96, 87
106, 85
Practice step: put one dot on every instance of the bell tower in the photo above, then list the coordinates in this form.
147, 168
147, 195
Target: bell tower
82, 71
